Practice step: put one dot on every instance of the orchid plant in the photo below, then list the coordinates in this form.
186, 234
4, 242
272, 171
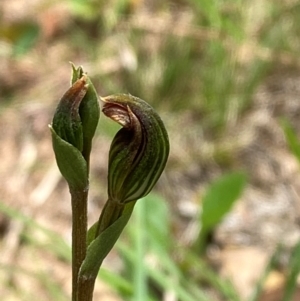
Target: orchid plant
137, 157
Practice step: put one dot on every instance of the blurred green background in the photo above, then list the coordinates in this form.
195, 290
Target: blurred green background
224, 75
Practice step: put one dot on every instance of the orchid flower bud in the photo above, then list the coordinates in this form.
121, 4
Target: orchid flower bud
73, 127
139, 151
89, 111
66, 121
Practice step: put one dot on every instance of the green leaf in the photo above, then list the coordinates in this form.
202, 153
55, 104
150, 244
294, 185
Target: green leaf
101, 246
294, 270
70, 162
220, 197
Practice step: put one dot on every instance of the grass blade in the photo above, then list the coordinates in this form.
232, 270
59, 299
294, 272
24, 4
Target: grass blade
294, 270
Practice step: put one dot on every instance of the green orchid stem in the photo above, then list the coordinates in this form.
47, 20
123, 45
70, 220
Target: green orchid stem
111, 211
79, 233
85, 289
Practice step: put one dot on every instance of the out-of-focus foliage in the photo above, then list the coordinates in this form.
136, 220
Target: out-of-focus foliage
217, 201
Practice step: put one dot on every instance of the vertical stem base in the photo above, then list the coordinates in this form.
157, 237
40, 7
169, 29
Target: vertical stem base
79, 233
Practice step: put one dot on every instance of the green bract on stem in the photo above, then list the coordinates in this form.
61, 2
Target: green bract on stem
73, 128
67, 136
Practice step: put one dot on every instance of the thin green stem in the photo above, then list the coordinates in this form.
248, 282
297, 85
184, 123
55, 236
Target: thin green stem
79, 233
111, 211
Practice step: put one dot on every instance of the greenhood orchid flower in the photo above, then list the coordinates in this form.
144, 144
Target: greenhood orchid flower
137, 157
139, 151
